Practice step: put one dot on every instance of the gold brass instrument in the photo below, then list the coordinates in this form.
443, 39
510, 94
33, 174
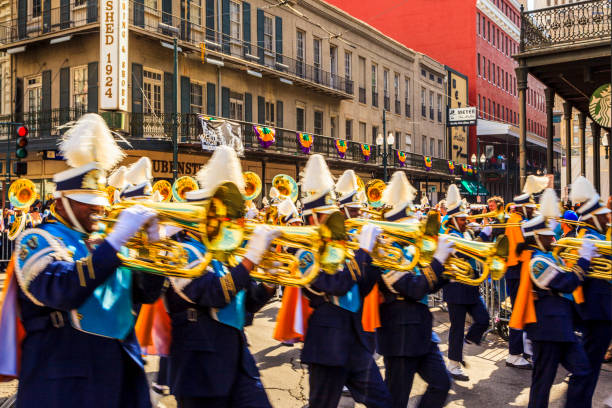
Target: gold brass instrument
22, 194
286, 186
601, 266
181, 186
110, 194
165, 189
374, 190
499, 214
252, 185
325, 243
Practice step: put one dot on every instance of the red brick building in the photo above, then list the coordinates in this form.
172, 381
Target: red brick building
477, 38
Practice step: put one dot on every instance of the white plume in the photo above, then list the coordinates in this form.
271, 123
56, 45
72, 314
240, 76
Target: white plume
399, 190
274, 193
90, 140
265, 202
316, 177
286, 208
424, 201
139, 172
582, 190
347, 183
117, 178
452, 196
535, 184
223, 166
549, 204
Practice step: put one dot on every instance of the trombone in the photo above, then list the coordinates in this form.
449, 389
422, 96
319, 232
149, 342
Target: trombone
601, 266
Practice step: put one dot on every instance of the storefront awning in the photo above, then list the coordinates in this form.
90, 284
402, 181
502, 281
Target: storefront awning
470, 187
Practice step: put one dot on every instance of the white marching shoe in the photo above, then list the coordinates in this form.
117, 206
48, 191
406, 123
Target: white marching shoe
456, 371
518, 362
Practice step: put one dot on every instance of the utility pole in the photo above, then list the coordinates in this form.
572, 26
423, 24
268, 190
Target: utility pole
175, 115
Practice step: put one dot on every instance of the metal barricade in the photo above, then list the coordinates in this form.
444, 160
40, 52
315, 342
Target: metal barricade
498, 305
6, 250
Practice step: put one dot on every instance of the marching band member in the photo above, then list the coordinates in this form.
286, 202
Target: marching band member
460, 298
117, 180
351, 200
336, 348
288, 213
138, 181
406, 339
76, 301
488, 233
544, 307
568, 229
596, 311
210, 363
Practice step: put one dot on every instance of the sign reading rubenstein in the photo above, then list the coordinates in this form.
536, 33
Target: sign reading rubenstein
113, 72
462, 116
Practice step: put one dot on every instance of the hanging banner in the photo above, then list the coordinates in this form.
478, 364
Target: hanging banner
113, 67
427, 160
265, 135
599, 106
365, 150
305, 141
341, 147
401, 157
218, 132
451, 167
464, 168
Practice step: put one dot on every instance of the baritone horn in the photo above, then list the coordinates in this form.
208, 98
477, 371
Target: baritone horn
286, 186
252, 185
22, 194
374, 190
601, 266
165, 189
181, 186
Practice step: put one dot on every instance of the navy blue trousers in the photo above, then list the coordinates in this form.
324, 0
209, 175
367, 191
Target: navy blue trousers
547, 355
515, 343
361, 376
456, 314
247, 392
399, 375
596, 336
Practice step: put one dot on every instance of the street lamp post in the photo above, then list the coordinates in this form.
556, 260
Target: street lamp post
474, 161
384, 140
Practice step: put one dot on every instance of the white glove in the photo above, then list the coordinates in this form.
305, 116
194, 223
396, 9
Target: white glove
444, 249
587, 250
153, 232
368, 237
487, 230
251, 214
260, 242
129, 223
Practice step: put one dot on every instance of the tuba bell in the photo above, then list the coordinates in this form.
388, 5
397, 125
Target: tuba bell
286, 186
252, 185
22, 194
165, 189
181, 186
374, 190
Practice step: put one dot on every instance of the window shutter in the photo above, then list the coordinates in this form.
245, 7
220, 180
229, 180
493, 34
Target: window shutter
19, 99
47, 16
225, 103
185, 20
64, 14
279, 113
139, 13
261, 110
92, 10
225, 26
22, 13
210, 20
92, 87
246, 26
136, 120
279, 39
260, 35
45, 104
185, 95
64, 96
248, 107
211, 97
169, 105
167, 12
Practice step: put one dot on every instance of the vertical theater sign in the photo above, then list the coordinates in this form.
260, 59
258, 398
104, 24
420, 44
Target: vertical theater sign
113, 75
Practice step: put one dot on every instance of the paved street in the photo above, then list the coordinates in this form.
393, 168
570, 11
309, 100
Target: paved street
491, 384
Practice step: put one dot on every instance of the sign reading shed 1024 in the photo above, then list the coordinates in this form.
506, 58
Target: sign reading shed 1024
113, 75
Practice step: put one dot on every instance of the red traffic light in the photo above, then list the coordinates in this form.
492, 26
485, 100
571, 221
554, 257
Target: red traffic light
22, 131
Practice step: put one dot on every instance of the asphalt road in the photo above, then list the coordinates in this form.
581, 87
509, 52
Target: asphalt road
491, 384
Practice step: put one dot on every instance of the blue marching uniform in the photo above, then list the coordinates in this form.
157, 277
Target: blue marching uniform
462, 299
78, 309
596, 316
336, 348
210, 363
553, 338
406, 339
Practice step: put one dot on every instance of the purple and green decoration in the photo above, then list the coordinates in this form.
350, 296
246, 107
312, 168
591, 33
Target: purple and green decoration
341, 147
451, 167
427, 163
365, 150
305, 141
265, 135
401, 157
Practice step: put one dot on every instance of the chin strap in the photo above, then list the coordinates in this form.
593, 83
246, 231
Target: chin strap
73, 220
455, 224
597, 224
538, 242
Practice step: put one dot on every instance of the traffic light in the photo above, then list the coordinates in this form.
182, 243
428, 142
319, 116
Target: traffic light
22, 141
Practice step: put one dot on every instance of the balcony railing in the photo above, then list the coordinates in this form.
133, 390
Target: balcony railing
143, 128
32, 25
585, 20
362, 95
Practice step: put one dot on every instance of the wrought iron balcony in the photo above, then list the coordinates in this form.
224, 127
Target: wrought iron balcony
566, 24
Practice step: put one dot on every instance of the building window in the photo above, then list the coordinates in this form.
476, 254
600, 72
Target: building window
478, 22
235, 20
408, 142
270, 113
407, 96
493, 75
423, 73
299, 53
299, 119
316, 49
386, 89
424, 145
432, 147
374, 134
33, 94
348, 65
151, 5
489, 70
36, 8
374, 85
423, 107
362, 131
396, 93
439, 101
236, 106
333, 64
196, 98
398, 140
79, 88
268, 33
440, 149
431, 105
152, 92
195, 12
318, 122
348, 129
333, 126
478, 63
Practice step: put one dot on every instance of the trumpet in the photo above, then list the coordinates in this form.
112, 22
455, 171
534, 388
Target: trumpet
324, 246
601, 266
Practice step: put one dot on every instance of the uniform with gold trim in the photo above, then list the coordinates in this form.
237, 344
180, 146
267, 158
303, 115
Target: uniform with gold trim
77, 304
596, 311
406, 339
336, 348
